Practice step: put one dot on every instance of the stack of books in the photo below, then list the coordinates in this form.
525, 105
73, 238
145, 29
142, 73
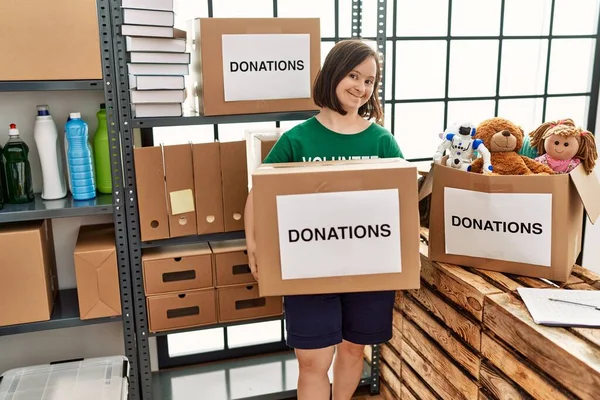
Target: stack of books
158, 61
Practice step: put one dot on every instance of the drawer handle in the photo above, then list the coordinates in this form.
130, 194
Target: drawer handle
240, 269
183, 312
251, 303
179, 276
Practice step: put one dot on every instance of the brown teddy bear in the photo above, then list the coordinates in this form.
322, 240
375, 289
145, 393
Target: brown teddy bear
504, 139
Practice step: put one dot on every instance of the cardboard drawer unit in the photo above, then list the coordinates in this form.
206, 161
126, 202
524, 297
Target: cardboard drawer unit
176, 269
207, 187
184, 310
151, 198
179, 177
238, 303
230, 262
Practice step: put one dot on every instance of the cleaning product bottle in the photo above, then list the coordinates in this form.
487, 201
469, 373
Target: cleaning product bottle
3, 184
102, 153
45, 135
79, 159
18, 169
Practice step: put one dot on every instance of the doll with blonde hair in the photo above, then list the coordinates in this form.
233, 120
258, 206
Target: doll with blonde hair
563, 146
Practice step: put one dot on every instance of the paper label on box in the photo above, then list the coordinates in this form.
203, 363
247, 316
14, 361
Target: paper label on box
266, 66
182, 201
513, 227
339, 234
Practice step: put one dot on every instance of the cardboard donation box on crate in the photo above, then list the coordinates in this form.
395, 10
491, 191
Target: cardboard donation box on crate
342, 226
255, 65
524, 225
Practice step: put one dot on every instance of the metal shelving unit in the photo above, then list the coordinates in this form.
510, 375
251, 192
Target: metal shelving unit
127, 123
23, 86
65, 313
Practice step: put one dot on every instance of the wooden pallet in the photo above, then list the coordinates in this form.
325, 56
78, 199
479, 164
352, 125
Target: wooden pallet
466, 334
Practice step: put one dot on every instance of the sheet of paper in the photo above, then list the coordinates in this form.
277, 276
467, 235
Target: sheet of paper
182, 201
547, 312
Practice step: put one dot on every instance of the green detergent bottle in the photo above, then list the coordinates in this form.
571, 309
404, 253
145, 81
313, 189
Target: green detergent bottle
102, 153
18, 169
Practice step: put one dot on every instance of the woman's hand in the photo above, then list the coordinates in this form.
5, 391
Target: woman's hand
252, 261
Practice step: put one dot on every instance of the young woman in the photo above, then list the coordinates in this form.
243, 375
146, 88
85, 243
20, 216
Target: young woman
320, 325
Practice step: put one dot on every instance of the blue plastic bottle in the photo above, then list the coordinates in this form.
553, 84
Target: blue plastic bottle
79, 159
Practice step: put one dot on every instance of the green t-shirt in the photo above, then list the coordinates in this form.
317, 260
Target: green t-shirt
310, 141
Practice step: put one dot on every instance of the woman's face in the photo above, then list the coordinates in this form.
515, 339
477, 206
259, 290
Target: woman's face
357, 87
561, 147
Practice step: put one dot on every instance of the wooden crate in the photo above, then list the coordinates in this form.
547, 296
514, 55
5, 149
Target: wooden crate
466, 334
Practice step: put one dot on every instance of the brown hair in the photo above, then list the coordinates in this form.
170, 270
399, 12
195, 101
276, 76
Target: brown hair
587, 152
342, 59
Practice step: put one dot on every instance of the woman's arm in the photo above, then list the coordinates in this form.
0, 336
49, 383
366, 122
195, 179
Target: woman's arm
250, 240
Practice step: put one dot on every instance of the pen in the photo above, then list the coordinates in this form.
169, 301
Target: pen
572, 302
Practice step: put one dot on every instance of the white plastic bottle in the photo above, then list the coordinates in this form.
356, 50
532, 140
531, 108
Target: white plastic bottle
45, 134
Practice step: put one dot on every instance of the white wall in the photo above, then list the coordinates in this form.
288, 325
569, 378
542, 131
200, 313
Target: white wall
88, 341
591, 247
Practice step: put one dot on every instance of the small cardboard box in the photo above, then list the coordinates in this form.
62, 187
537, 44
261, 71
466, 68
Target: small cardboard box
255, 65
179, 177
177, 268
231, 263
97, 272
332, 227
234, 178
207, 187
34, 46
524, 225
182, 310
258, 145
28, 272
151, 197
238, 303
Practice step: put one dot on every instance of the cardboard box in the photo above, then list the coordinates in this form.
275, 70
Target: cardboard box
525, 225
258, 145
151, 197
177, 268
238, 303
179, 177
182, 310
207, 188
35, 47
343, 226
231, 263
97, 272
255, 65
234, 177
28, 272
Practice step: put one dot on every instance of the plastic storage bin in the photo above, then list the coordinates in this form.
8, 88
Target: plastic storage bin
86, 379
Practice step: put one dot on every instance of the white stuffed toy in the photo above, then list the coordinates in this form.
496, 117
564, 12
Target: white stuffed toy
458, 141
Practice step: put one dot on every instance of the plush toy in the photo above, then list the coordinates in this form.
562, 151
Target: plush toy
461, 145
504, 139
563, 146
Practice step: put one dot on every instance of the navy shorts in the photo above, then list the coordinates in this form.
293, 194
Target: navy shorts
323, 320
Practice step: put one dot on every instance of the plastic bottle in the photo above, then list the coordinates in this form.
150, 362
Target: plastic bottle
79, 159
45, 135
102, 153
18, 169
3, 184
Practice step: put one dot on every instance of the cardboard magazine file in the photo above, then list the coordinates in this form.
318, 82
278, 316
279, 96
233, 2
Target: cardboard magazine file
151, 196
524, 225
177, 268
234, 179
208, 191
97, 272
255, 65
179, 178
258, 145
340, 226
